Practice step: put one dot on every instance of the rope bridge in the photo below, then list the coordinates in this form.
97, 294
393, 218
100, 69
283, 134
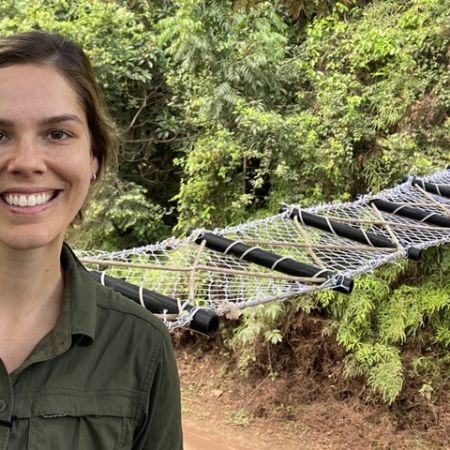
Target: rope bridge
190, 282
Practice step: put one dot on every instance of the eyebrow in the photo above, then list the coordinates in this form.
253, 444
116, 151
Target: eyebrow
60, 118
53, 120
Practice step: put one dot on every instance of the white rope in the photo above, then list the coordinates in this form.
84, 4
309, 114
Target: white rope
329, 225
301, 217
399, 209
427, 217
321, 272
367, 238
248, 251
231, 246
141, 296
275, 264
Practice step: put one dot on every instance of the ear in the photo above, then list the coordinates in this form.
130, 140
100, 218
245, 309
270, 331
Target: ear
94, 165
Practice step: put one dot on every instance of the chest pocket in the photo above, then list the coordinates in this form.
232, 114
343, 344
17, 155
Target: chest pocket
100, 421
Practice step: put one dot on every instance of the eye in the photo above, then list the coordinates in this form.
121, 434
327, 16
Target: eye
3, 137
58, 135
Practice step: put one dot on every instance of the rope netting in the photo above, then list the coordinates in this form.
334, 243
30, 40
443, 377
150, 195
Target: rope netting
291, 253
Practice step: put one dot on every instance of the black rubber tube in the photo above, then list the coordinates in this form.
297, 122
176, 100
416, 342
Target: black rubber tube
347, 231
270, 260
342, 229
411, 212
204, 320
442, 190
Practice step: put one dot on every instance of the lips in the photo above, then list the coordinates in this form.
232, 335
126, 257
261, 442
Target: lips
22, 200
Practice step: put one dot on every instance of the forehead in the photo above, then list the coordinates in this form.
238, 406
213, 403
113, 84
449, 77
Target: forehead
32, 92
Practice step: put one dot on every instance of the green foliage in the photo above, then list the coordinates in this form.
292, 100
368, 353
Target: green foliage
301, 9
208, 175
379, 90
384, 313
119, 216
211, 84
350, 108
261, 330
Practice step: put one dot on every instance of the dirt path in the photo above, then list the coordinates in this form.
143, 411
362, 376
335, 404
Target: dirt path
217, 428
195, 439
198, 439
215, 433
213, 422
222, 411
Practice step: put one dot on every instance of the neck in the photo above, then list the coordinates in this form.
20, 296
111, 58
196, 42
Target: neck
30, 279
30, 299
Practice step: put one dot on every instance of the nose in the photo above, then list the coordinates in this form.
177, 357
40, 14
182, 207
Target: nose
27, 158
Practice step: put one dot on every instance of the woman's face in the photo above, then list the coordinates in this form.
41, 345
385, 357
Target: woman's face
46, 162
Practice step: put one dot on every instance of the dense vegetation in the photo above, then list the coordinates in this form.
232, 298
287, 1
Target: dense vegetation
228, 108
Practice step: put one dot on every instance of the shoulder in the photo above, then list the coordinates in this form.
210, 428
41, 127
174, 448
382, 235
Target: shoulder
127, 333
114, 319
113, 306
116, 304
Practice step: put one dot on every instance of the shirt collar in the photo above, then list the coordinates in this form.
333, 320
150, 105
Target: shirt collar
80, 297
77, 322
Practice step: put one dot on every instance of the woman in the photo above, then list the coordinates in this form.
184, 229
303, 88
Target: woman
81, 367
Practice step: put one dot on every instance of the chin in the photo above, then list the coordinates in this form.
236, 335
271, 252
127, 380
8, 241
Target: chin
33, 241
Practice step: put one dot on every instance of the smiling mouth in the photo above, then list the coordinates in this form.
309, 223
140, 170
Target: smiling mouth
28, 200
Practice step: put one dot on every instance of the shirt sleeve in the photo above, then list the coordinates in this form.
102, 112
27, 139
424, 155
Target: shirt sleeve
161, 429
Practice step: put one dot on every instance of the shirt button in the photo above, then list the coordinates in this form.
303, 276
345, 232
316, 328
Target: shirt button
2, 405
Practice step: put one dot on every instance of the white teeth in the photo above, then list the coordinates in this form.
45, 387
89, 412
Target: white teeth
27, 200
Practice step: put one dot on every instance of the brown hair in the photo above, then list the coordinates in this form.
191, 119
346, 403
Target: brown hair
39, 47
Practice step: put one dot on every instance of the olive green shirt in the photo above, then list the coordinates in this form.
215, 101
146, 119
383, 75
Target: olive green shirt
104, 378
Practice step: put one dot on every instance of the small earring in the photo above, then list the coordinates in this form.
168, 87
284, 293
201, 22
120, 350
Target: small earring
93, 177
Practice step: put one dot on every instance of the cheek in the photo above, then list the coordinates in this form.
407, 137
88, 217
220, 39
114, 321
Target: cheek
78, 178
